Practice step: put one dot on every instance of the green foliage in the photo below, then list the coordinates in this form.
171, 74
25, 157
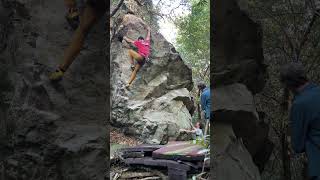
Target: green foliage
193, 39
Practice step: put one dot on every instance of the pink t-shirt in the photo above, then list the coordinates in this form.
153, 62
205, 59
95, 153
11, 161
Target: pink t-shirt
143, 47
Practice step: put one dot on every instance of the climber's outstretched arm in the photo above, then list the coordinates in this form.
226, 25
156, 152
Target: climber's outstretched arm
148, 34
187, 130
128, 39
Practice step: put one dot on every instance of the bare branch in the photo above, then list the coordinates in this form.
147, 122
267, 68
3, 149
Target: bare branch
158, 3
307, 32
288, 38
294, 17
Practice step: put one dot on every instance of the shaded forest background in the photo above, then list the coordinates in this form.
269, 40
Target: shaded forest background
291, 32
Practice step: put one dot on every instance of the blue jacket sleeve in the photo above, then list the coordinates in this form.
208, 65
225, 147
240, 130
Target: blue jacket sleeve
299, 128
203, 101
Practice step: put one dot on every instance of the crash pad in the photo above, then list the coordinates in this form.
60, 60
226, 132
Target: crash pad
142, 148
180, 150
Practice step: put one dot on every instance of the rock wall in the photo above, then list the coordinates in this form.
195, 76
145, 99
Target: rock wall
238, 56
157, 104
231, 158
240, 136
50, 131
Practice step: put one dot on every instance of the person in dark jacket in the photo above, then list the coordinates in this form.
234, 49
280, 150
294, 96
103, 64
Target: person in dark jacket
304, 115
205, 101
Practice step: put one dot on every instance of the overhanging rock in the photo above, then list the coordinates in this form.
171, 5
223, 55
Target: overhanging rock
234, 104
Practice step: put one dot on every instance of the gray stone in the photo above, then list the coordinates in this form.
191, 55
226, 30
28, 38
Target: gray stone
230, 158
238, 56
51, 131
238, 72
234, 104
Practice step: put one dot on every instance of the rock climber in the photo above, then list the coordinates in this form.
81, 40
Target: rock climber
205, 101
304, 115
141, 55
91, 12
196, 131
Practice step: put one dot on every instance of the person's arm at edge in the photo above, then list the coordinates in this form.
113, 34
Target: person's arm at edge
187, 130
299, 128
202, 101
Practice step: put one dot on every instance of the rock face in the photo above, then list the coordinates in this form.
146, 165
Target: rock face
158, 102
231, 159
234, 104
239, 135
50, 131
238, 49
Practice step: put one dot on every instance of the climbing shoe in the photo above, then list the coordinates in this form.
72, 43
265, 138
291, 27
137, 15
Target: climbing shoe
57, 75
132, 67
73, 18
128, 86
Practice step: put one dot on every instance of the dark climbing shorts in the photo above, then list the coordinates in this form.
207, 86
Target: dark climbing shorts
142, 62
99, 5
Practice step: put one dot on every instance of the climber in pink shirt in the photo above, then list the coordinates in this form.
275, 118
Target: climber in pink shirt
143, 46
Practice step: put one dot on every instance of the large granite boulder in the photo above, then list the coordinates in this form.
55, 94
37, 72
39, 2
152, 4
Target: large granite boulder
50, 131
157, 104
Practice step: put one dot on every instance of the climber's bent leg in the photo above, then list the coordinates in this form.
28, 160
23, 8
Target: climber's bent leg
141, 61
133, 74
87, 20
134, 55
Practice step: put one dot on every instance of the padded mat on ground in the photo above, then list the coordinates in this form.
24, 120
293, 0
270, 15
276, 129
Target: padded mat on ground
142, 148
180, 150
